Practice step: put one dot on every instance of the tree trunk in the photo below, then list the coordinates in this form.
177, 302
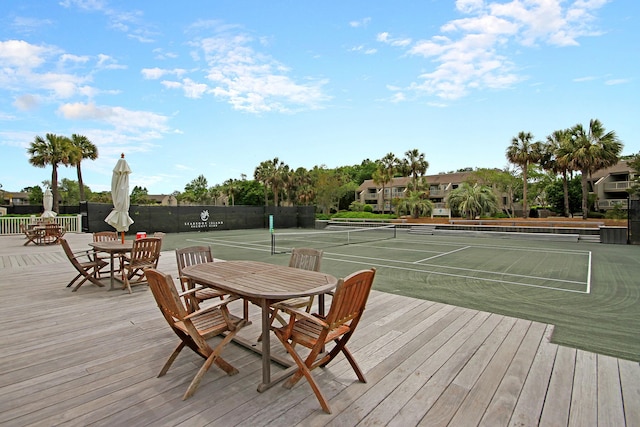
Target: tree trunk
54, 188
80, 183
525, 182
585, 195
565, 188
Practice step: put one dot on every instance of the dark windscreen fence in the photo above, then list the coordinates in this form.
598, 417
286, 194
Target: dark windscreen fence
634, 222
182, 219
285, 241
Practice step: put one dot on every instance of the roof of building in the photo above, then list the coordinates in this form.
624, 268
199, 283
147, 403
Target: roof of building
443, 178
619, 168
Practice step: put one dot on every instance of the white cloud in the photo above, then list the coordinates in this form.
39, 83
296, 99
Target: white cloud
612, 82
138, 122
157, 73
361, 23
248, 79
393, 41
26, 102
23, 55
473, 53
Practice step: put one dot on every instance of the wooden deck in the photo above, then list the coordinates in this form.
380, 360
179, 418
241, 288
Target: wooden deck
91, 358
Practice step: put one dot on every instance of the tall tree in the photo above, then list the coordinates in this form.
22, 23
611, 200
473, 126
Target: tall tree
230, 188
263, 174
197, 190
383, 174
556, 157
82, 149
593, 149
524, 152
52, 150
414, 165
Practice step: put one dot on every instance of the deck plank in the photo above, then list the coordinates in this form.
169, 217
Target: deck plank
92, 357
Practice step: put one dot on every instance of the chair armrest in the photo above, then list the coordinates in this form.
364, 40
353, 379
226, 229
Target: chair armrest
214, 306
295, 313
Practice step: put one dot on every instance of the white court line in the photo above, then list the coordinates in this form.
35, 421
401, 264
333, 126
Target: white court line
529, 285
439, 255
471, 270
589, 275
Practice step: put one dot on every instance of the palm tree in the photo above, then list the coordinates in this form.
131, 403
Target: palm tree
230, 187
523, 152
274, 177
556, 158
593, 150
83, 149
415, 204
53, 150
383, 174
414, 164
262, 174
473, 200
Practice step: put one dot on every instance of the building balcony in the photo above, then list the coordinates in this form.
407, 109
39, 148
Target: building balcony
617, 186
610, 203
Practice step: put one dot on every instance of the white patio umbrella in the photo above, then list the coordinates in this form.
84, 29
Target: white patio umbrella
47, 202
119, 216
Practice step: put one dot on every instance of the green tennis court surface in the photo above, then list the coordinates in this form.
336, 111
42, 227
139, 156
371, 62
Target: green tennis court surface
589, 291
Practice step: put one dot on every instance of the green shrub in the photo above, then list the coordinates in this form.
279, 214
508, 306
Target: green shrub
367, 208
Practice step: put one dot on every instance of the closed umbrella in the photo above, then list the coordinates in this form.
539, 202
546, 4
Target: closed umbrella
47, 202
119, 216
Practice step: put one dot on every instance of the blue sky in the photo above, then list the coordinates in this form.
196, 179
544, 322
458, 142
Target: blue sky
214, 88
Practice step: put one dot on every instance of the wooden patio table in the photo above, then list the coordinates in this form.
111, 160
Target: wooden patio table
263, 284
112, 247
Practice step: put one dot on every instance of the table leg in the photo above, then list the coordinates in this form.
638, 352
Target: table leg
111, 272
266, 347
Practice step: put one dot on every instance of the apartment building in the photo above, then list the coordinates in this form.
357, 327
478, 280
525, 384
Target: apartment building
610, 185
439, 188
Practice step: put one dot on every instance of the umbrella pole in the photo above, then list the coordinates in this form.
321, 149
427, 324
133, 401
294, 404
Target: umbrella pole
123, 237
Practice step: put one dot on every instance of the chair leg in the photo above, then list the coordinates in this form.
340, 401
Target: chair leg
303, 370
353, 364
214, 357
169, 361
74, 279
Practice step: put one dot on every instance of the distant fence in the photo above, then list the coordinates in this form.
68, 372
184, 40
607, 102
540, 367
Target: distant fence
11, 225
180, 219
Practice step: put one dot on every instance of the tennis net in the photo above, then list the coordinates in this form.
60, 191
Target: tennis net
283, 242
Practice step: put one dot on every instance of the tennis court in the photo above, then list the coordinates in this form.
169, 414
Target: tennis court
589, 291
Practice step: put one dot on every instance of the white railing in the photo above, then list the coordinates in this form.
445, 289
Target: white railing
610, 203
617, 186
11, 225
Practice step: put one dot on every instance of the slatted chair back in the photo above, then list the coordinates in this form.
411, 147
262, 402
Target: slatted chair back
189, 256
350, 299
105, 236
194, 328
306, 258
144, 254
192, 255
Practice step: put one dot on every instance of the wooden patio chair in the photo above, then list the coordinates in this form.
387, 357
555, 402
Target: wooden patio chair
144, 254
86, 266
306, 259
193, 255
106, 236
52, 233
33, 236
315, 331
194, 328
